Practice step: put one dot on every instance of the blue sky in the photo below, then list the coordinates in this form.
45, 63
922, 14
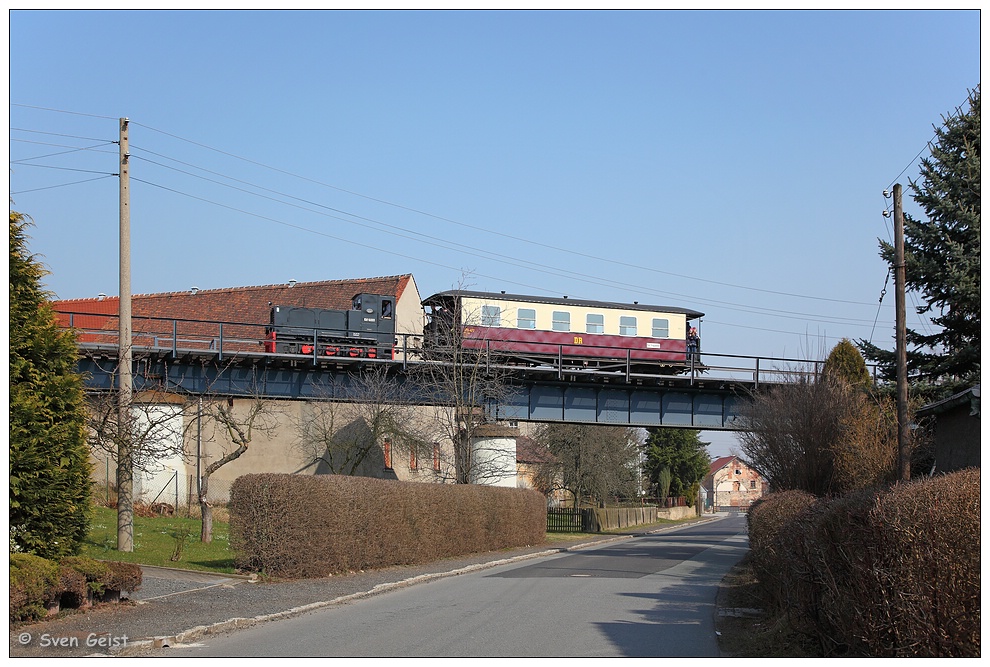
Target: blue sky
729, 162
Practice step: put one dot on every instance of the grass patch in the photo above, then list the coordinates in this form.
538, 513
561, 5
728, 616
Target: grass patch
157, 540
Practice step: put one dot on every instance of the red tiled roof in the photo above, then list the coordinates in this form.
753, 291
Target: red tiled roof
234, 305
720, 463
530, 451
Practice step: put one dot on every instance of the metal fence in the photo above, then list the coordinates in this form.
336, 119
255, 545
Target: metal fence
566, 520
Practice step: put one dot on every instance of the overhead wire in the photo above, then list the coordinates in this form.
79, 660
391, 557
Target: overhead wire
493, 232
765, 311
486, 254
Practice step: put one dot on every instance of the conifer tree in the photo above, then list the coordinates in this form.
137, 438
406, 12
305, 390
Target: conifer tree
846, 363
942, 255
49, 462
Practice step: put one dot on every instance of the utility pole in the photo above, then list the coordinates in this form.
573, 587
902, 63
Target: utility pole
125, 458
900, 278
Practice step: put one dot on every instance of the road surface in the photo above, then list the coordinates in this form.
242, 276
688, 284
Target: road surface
647, 596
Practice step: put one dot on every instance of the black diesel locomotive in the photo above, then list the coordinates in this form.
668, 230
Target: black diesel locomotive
366, 330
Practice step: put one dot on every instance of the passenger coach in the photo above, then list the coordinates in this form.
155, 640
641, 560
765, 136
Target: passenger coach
533, 329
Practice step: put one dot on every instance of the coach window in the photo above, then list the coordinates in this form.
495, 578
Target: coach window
491, 316
526, 318
627, 326
561, 320
596, 323
661, 328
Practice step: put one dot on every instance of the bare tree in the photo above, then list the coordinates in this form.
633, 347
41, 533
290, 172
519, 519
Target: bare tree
819, 435
234, 424
591, 460
151, 432
340, 428
463, 384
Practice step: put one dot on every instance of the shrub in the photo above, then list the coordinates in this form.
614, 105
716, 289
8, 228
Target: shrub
890, 573
928, 583
311, 526
33, 586
102, 576
767, 519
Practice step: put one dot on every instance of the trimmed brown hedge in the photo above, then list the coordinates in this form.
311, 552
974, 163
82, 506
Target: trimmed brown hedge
312, 526
891, 573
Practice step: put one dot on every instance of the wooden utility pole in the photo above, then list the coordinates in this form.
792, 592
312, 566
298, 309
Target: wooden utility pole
900, 278
125, 458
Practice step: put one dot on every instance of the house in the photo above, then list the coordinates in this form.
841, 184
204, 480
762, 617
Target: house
190, 316
956, 429
536, 468
732, 485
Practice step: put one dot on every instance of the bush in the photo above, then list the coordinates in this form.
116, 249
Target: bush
312, 526
891, 573
38, 584
103, 576
33, 586
767, 518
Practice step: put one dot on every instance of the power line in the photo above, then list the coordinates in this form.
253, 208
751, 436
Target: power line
496, 233
74, 113
62, 185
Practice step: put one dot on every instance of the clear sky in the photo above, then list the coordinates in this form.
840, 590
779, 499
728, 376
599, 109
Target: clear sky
732, 162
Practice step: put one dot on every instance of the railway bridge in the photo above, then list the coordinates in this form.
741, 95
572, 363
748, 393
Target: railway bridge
708, 395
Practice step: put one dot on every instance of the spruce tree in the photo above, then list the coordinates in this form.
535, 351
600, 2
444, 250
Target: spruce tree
49, 462
682, 454
942, 256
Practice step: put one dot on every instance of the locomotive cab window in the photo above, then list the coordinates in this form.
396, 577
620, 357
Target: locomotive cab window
491, 316
526, 318
596, 323
661, 328
386, 309
561, 320
627, 326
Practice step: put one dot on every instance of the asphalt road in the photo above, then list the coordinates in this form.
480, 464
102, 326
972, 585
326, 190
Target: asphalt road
648, 596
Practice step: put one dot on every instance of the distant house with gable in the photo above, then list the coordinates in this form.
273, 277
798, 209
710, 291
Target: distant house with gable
732, 485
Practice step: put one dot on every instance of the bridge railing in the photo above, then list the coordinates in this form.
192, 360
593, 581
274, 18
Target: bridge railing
224, 339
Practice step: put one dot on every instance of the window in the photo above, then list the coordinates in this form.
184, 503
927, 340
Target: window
526, 318
413, 461
596, 323
561, 320
436, 456
386, 309
491, 316
387, 446
738, 471
627, 326
752, 483
661, 328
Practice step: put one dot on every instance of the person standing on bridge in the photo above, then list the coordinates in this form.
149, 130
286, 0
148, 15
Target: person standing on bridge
694, 345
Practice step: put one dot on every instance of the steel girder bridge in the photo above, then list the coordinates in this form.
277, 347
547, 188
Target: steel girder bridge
708, 397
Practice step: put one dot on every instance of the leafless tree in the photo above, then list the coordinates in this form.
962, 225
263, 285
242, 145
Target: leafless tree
820, 435
231, 423
150, 433
591, 460
463, 386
